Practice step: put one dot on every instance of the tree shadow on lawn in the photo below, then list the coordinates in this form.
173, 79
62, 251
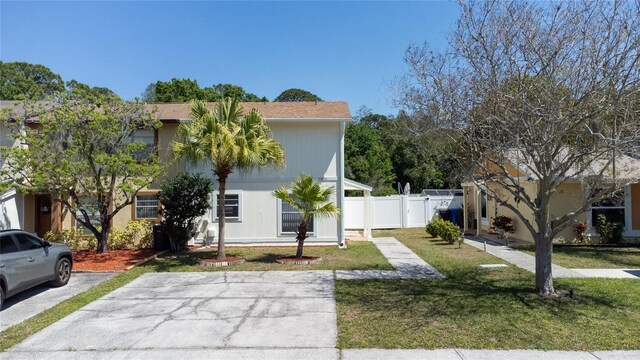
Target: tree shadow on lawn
466, 297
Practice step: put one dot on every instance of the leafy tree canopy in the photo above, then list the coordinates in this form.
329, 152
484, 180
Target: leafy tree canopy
83, 155
183, 90
24, 81
293, 95
92, 94
366, 158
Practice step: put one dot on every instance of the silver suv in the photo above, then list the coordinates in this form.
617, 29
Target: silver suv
27, 261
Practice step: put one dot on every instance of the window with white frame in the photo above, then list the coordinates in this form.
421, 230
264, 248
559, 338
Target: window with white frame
90, 206
232, 206
148, 138
290, 219
612, 207
483, 204
146, 207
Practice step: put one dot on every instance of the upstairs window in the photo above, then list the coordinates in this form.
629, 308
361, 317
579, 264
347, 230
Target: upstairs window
148, 138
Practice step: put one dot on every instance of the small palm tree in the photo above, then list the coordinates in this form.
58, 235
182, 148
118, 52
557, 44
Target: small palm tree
310, 199
228, 139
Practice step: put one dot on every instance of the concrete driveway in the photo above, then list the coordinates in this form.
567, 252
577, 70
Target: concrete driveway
230, 315
26, 304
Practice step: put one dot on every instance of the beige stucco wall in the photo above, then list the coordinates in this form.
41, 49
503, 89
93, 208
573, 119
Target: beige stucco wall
564, 200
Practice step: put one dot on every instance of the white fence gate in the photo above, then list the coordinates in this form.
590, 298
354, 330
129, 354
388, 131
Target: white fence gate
394, 212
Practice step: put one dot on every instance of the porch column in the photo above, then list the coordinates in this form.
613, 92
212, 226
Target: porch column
366, 232
56, 216
465, 225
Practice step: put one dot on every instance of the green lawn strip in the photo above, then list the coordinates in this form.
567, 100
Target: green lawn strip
484, 308
358, 255
21, 331
592, 257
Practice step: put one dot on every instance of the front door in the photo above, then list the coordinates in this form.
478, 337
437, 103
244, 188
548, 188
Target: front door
43, 214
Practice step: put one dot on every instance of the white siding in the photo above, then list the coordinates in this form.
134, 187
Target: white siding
310, 148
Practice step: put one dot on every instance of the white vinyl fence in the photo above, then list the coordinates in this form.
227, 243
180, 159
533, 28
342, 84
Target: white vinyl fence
399, 211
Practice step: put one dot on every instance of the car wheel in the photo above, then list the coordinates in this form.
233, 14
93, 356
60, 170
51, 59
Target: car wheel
63, 272
1, 297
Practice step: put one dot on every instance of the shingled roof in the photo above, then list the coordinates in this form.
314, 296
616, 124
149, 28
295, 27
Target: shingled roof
334, 110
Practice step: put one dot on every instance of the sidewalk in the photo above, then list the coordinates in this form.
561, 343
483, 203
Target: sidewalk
466, 354
518, 258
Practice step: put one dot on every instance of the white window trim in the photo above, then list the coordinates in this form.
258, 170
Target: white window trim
627, 215
311, 234
214, 207
135, 208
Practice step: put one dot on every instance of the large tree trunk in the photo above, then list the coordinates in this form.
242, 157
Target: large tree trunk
544, 277
222, 180
302, 235
102, 240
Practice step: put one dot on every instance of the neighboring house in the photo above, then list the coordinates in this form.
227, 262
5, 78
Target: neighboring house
480, 208
312, 135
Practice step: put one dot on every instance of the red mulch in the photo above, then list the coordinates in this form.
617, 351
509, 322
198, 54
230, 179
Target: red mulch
112, 260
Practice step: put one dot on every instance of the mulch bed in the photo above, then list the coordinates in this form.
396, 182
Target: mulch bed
228, 261
112, 260
305, 260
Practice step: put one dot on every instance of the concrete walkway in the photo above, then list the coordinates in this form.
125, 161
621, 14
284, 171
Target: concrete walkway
518, 258
610, 273
406, 263
29, 303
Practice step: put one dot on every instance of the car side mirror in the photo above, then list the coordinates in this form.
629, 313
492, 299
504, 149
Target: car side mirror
46, 243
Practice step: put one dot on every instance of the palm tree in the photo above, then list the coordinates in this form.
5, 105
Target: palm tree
310, 199
228, 139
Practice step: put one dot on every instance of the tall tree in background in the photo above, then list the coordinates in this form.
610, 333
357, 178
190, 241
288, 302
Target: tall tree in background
366, 159
83, 155
94, 94
24, 81
293, 95
550, 84
228, 139
183, 90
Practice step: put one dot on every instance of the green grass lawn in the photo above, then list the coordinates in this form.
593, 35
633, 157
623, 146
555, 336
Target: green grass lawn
359, 255
484, 308
584, 257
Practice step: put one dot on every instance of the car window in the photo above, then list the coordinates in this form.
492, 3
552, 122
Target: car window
7, 245
27, 242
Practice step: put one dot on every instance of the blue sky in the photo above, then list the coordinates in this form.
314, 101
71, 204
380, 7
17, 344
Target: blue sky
338, 50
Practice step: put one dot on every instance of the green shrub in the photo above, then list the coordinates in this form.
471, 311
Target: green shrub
445, 230
609, 232
73, 238
136, 235
183, 199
